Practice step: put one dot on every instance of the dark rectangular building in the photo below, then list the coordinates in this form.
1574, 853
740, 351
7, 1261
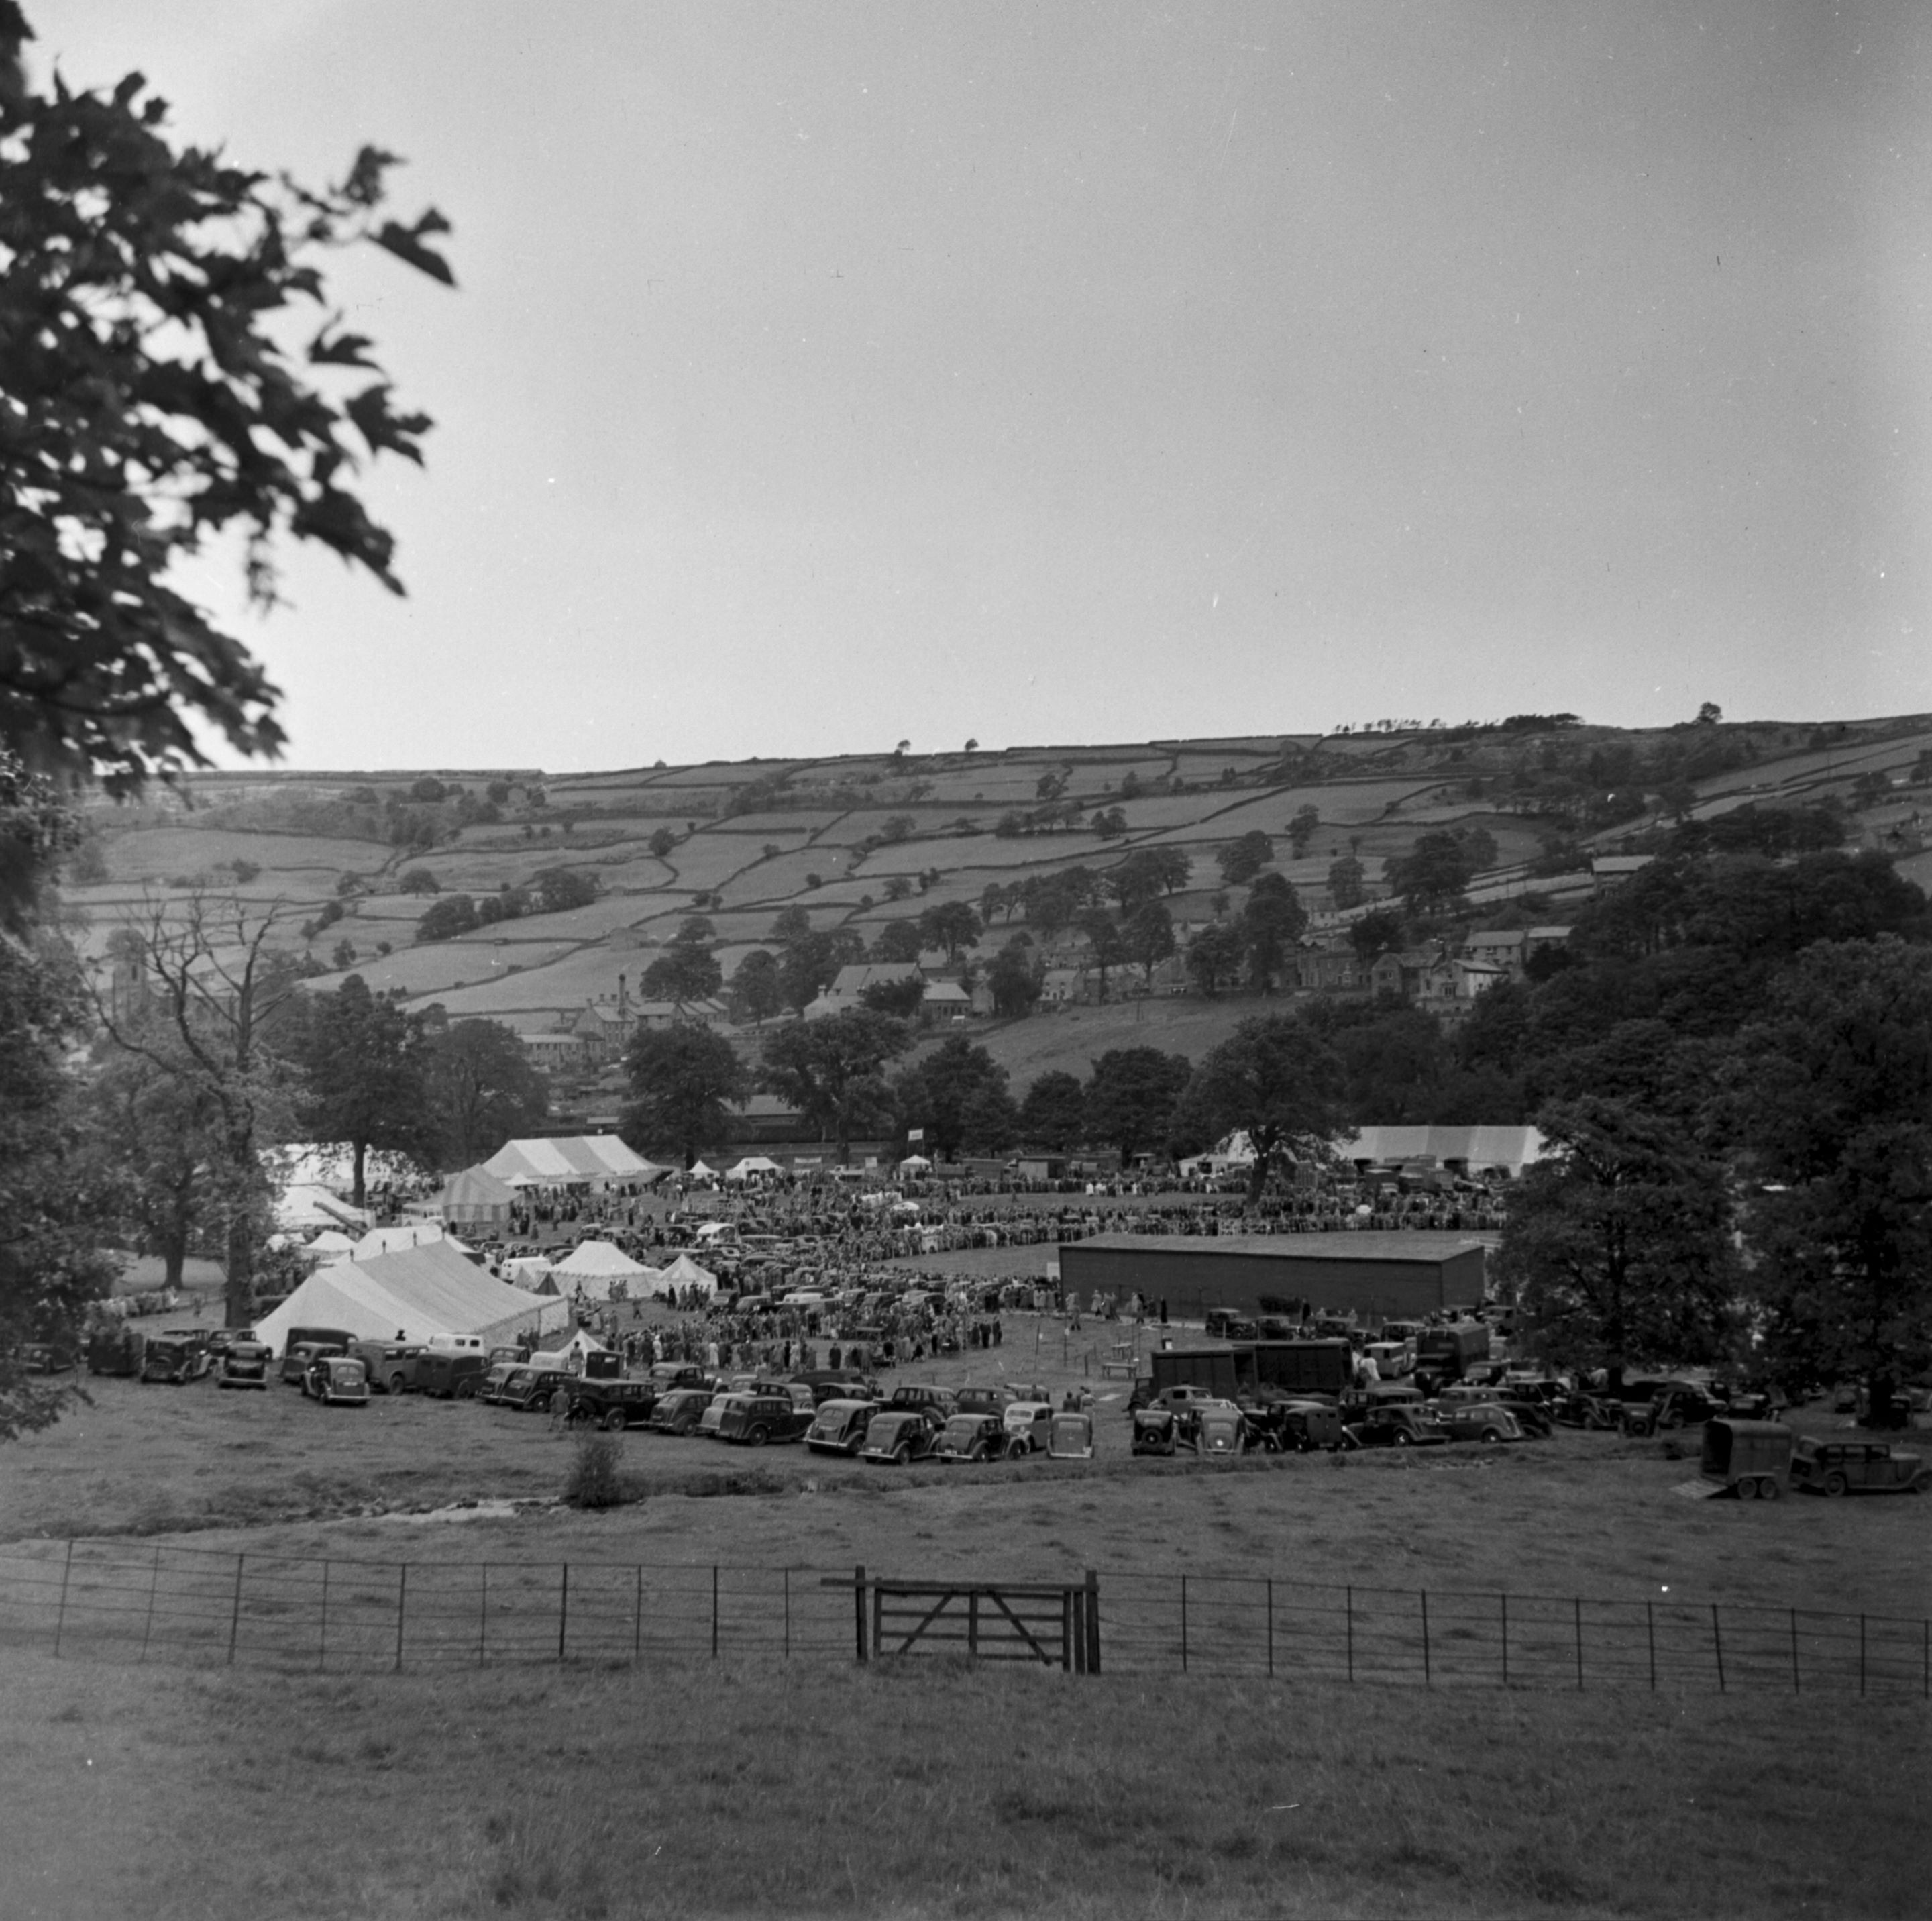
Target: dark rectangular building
1378, 1278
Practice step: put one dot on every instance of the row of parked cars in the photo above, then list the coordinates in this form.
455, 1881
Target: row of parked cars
843, 1413
1384, 1415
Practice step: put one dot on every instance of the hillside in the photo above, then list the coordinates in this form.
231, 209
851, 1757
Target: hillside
842, 838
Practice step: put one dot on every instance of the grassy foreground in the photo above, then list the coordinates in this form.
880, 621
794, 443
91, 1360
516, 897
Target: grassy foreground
919, 1788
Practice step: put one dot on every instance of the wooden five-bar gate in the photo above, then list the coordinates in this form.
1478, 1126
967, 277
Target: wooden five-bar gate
1055, 1624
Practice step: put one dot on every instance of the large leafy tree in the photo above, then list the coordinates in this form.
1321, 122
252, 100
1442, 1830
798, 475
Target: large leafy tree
684, 971
1833, 1117
958, 1095
483, 1090
758, 987
366, 1064
1620, 1244
832, 1070
1271, 922
1013, 978
218, 1010
682, 1078
1276, 1079
52, 1208
152, 402
1130, 1101
1053, 1114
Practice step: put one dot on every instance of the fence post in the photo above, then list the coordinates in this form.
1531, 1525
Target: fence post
1578, 1601
483, 1617
1270, 1630
1650, 1624
322, 1636
1861, 1654
1925, 1658
787, 1573
563, 1611
972, 1622
60, 1619
235, 1612
1183, 1623
1428, 1677
1504, 1599
1717, 1645
859, 1609
638, 1617
154, 1582
1349, 1602
1093, 1621
714, 1610
1794, 1688
402, 1609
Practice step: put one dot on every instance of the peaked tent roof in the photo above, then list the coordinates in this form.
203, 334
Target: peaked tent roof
685, 1272
752, 1164
569, 1160
473, 1187
421, 1291
599, 1257
410, 1234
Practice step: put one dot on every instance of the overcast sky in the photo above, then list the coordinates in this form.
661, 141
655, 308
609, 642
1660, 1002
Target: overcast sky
824, 375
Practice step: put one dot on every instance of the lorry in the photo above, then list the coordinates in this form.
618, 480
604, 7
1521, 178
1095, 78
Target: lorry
1447, 1354
1226, 1372
1301, 1368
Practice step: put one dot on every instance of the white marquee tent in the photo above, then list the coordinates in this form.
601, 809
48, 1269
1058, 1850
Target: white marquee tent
592, 1267
475, 1198
579, 1160
752, 1164
415, 1292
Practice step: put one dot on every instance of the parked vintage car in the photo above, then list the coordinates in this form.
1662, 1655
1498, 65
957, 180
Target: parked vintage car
337, 1381
753, 1419
902, 1434
1674, 1404
679, 1411
1311, 1426
48, 1357
976, 1435
245, 1365
611, 1405
1477, 1421
839, 1426
940, 1400
537, 1391
179, 1356
1856, 1467
1070, 1437
1397, 1427
981, 1400
299, 1356
1029, 1422
495, 1378
392, 1364
1222, 1428
451, 1374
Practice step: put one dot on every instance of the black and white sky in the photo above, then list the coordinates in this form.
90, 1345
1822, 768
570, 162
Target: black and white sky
828, 373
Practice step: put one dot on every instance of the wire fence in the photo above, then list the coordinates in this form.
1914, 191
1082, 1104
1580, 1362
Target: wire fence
142, 1601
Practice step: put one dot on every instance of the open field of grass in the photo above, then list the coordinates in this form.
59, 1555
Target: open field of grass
927, 1790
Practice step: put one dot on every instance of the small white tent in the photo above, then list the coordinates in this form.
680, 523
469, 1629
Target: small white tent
580, 1160
527, 1271
581, 1342
475, 1198
685, 1272
330, 1244
751, 1164
593, 1266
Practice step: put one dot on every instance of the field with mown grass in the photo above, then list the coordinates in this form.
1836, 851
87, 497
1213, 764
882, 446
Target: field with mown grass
929, 1789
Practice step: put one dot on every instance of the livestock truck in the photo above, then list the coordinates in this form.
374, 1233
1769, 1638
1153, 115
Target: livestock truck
1448, 1354
1296, 1369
